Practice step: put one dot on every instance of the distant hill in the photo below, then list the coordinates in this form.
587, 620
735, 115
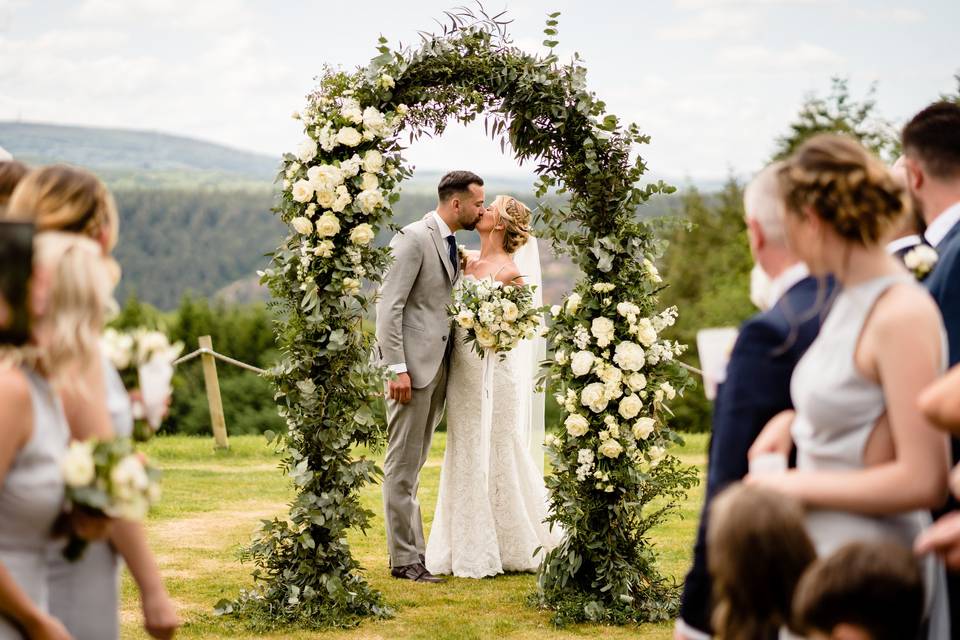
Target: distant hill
129, 158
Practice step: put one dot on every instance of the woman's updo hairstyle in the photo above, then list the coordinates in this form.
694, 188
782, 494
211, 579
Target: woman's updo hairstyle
845, 186
516, 219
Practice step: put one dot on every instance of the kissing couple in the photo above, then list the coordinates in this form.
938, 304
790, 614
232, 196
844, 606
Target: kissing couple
490, 515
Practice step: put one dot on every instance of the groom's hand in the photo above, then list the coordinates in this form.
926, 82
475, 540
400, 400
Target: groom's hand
401, 389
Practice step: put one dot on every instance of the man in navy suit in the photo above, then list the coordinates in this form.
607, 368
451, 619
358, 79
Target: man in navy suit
757, 385
931, 145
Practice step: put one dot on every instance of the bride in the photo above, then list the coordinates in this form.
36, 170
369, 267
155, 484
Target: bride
491, 520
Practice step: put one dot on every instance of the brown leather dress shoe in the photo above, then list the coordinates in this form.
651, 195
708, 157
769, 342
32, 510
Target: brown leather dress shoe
415, 572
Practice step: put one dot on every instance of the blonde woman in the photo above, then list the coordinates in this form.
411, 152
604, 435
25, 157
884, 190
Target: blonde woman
861, 478
67, 306
64, 198
488, 521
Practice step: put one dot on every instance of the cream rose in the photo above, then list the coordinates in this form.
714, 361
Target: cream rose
324, 249
369, 200
302, 191
594, 397
630, 407
307, 150
328, 225
302, 225
629, 356
369, 181
510, 311
603, 330
485, 339
642, 428
610, 449
576, 425
573, 303
373, 161
362, 234
581, 363
637, 382
465, 319
349, 137
326, 196
351, 111
627, 309
351, 286
645, 332
78, 467
352, 166
325, 176
560, 357
343, 199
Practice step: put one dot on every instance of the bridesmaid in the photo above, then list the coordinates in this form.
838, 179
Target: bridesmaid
67, 302
62, 198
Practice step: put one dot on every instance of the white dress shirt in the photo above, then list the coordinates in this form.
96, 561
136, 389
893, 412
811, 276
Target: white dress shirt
903, 243
444, 233
941, 226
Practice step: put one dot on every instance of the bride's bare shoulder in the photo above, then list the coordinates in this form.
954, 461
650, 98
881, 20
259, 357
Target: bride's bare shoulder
509, 274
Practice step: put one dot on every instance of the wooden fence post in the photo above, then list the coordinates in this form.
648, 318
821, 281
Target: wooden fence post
217, 419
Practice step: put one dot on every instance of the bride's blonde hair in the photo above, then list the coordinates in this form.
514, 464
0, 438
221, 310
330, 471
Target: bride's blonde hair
515, 217
79, 297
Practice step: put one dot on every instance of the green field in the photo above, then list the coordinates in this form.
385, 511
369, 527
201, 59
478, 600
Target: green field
213, 501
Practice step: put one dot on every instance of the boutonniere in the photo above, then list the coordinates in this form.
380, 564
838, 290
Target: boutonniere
462, 253
921, 260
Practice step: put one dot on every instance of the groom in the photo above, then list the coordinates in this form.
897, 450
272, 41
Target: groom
413, 339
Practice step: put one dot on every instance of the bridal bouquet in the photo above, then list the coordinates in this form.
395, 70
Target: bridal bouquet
497, 317
144, 359
107, 479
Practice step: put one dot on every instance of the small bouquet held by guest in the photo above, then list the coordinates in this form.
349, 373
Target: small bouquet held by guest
496, 317
107, 479
144, 359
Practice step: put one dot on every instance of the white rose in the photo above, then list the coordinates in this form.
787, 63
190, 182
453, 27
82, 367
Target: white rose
325, 176
403, 109
373, 161
642, 428
573, 303
637, 381
324, 249
326, 138
349, 137
668, 390
351, 111
603, 330
629, 356
302, 191
609, 374
368, 181
351, 167
652, 271
326, 196
362, 234
603, 287
645, 332
510, 311
374, 124
630, 407
555, 310
594, 397
302, 225
328, 225
581, 363
129, 478
343, 199
611, 448
576, 425
307, 150
78, 467
369, 200
655, 454
351, 286
560, 357
627, 309
385, 81
465, 319
485, 339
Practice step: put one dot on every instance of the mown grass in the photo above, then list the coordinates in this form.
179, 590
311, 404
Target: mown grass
214, 500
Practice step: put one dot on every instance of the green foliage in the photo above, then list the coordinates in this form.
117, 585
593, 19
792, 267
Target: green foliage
327, 387
708, 267
955, 96
839, 112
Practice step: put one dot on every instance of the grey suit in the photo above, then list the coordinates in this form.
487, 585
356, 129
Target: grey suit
413, 328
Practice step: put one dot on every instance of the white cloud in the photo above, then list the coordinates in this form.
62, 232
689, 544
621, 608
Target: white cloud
704, 4
892, 15
761, 58
712, 24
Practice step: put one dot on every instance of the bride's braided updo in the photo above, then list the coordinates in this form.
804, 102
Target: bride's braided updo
516, 219
845, 186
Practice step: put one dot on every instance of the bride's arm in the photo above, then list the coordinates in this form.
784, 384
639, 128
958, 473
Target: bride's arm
906, 346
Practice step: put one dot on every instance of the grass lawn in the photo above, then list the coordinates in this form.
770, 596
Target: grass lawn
213, 501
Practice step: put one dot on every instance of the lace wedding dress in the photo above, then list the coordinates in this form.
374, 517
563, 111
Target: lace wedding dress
488, 523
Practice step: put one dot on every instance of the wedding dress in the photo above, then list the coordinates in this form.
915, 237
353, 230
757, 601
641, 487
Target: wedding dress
490, 520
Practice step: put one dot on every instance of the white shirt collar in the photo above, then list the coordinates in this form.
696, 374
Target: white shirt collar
903, 243
941, 226
444, 229
785, 281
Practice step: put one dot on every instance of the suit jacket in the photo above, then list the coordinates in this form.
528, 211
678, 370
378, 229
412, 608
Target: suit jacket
412, 322
757, 388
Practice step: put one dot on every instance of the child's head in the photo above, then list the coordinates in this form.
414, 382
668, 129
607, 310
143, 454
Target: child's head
757, 549
864, 591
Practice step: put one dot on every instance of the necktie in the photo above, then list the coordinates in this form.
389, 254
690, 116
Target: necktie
452, 248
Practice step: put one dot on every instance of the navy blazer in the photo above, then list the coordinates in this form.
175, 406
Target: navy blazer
944, 285
757, 388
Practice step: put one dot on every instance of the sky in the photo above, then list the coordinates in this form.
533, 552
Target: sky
714, 82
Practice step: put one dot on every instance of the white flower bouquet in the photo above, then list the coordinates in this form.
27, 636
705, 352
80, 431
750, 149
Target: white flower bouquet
144, 359
496, 317
107, 479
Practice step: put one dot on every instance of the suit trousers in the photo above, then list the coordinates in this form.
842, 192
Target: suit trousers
410, 430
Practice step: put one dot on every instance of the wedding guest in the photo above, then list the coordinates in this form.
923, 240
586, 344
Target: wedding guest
11, 172
757, 385
758, 549
861, 592
67, 303
70, 199
881, 345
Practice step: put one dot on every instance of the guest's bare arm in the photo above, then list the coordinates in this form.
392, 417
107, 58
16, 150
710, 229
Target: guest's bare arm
84, 403
940, 402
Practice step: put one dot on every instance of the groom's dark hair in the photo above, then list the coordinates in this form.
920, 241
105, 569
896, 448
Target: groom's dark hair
934, 134
457, 182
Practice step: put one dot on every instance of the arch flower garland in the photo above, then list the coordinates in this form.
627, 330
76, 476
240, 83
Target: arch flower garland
612, 373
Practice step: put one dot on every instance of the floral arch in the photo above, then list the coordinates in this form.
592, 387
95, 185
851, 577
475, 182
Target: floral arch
611, 479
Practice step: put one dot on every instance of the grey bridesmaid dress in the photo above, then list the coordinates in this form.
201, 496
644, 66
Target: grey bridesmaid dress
837, 410
31, 498
85, 595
